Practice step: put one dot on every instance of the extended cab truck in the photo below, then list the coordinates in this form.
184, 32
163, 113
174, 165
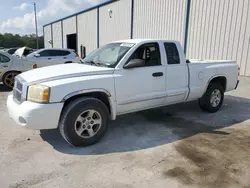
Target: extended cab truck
118, 78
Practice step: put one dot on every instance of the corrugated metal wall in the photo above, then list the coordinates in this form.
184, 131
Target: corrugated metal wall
87, 30
163, 19
220, 29
69, 27
119, 25
57, 34
47, 36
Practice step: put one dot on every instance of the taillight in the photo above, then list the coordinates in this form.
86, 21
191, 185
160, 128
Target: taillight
238, 72
34, 66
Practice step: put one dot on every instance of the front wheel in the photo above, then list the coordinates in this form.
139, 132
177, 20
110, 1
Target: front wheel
213, 98
84, 121
9, 79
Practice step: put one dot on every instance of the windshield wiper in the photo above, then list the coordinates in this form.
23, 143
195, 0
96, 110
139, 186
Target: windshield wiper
91, 63
95, 63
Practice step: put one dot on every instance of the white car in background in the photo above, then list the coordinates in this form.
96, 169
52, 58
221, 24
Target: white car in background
10, 66
47, 57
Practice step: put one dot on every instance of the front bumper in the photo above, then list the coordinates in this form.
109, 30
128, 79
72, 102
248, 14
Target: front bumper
33, 115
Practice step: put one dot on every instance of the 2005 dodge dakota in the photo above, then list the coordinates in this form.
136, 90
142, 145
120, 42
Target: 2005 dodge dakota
118, 78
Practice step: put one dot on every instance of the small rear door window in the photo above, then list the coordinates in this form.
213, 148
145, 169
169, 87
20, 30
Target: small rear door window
172, 53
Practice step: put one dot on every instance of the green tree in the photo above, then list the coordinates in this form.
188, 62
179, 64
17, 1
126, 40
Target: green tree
9, 40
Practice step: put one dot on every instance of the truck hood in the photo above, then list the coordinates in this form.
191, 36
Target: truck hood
63, 71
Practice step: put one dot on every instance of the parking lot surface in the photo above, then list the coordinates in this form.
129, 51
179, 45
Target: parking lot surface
175, 146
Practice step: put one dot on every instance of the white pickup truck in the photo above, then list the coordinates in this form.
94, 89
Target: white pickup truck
118, 78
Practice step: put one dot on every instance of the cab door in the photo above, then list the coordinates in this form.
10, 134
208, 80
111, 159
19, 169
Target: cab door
141, 87
176, 74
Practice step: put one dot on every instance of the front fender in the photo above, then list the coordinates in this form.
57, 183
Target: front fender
111, 99
80, 92
63, 89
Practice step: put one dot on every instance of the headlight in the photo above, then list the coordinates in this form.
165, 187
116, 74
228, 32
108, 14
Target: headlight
38, 93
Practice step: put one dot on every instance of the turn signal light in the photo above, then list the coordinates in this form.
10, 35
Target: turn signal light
34, 66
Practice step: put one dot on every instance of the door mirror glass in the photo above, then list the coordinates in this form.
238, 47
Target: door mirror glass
133, 63
37, 55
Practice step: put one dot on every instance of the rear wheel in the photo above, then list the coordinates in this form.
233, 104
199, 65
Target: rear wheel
9, 78
213, 98
84, 121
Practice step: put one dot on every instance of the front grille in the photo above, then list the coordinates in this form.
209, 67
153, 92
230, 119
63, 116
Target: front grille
17, 95
19, 86
17, 91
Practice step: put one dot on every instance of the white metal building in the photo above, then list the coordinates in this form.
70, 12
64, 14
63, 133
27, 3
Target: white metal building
207, 29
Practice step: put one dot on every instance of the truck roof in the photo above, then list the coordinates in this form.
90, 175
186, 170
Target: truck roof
146, 40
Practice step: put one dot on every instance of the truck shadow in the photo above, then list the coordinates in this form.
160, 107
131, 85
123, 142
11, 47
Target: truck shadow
3, 88
157, 127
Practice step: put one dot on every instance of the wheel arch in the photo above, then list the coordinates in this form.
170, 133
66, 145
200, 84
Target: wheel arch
217, 79
8, 71
100, 94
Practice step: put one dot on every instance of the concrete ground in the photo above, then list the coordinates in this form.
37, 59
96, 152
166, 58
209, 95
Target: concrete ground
176, 146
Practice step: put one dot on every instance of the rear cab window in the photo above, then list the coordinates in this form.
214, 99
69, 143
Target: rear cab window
172, 53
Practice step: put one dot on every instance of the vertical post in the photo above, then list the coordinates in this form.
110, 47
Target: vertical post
62, 34
37, 44
98, 28
186, 26
132, 19
52, 40
77, 35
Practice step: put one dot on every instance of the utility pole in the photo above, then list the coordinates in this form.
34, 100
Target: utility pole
37, 44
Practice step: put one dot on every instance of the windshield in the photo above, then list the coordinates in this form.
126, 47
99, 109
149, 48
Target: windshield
108, 55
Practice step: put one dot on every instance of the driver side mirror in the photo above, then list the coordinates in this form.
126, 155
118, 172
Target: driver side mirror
37, 55
133, 63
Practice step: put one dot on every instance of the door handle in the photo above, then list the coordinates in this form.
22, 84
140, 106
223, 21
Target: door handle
49, 58
65, 58
5, 65
157, 74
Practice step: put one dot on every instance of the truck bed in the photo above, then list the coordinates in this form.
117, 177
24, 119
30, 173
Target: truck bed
202, 71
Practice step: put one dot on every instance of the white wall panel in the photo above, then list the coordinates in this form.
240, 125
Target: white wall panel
47, 36
164, 19
118, 26
87, 30
57, 34
220, 29
69, 27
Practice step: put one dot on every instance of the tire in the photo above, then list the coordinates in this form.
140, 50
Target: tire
9, 78
74, 121
208, 103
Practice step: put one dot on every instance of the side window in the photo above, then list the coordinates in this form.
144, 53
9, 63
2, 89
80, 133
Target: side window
149, 53
64, 53
4, 59
54, 52
44, 53
172, 53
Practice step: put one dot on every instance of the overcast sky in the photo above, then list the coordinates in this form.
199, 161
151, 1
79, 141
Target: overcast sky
17, 16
